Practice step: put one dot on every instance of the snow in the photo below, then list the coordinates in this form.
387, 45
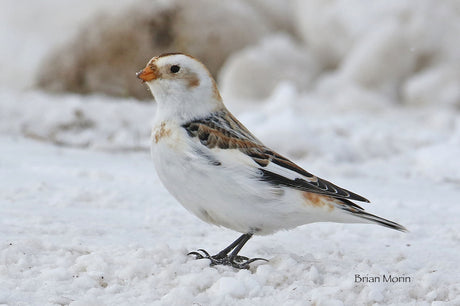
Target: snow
31, 29
91, 226
395, 48
79, 121
288, 63
85, 220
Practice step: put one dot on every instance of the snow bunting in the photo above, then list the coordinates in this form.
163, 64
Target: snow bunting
223, 174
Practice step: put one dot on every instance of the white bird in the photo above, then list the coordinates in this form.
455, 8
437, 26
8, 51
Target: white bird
223, 174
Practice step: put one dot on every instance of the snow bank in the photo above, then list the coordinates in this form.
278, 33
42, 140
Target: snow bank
279, 13
108, 50
391, 50
275, 59
394, 50
435, 86
73, 120
29, 30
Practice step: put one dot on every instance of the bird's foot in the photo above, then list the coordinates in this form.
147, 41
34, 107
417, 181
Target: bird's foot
238, 262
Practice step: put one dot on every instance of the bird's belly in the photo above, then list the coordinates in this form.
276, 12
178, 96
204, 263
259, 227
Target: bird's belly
187, 182
215, 194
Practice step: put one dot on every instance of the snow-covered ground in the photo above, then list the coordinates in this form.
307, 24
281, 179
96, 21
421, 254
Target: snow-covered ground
84, 219
92, 227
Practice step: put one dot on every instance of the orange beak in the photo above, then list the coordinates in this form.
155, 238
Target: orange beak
147, 74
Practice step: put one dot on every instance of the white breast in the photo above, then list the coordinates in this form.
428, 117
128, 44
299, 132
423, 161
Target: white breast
179, 168
223, 195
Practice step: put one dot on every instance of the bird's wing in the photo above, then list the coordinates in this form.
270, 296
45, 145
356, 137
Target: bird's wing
223, 131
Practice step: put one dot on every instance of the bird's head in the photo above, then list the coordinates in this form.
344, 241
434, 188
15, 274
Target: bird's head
182, 86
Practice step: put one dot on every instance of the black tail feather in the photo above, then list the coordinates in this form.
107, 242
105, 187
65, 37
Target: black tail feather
379, 220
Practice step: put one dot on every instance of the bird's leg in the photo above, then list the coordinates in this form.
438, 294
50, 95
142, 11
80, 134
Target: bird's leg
234, 254
234, 260
224, 252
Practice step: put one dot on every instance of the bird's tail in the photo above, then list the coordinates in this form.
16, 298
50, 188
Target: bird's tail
378, 220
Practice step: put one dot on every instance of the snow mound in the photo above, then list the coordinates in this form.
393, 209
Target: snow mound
109, 49
30, 30
253, 72
332, 28
279, 13
392, 48
73, 120
381, 50
438, 86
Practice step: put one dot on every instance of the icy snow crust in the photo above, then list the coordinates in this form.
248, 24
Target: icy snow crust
85, 221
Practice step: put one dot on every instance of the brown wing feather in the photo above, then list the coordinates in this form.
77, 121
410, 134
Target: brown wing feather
224, 131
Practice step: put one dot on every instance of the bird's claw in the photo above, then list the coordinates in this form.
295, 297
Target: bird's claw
238, 262
198, 255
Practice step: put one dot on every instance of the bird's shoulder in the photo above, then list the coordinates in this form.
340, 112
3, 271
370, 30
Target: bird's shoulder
221, 130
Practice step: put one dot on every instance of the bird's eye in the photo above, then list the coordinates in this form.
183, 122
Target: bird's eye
175, 68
